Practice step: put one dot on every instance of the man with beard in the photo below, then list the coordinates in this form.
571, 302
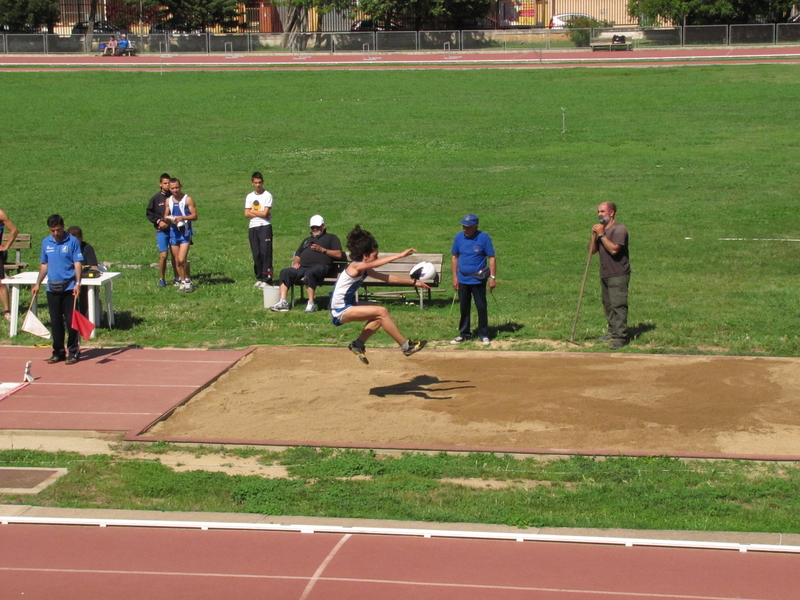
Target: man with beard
610, 239
311, 263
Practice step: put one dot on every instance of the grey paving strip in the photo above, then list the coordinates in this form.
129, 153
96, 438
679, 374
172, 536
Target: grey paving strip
28, 480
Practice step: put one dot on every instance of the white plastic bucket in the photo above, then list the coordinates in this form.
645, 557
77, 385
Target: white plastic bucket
272, 295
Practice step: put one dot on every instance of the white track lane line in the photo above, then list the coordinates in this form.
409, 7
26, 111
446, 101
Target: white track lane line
322, 566
315, 578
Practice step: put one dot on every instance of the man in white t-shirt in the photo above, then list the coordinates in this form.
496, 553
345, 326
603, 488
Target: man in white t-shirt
258, 208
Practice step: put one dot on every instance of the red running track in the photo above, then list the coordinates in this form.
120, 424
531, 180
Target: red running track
86, 563
455, 59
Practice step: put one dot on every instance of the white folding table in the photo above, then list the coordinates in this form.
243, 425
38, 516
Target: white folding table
28, 279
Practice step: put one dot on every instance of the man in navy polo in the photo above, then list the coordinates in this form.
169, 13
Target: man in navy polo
60, 261
473, 265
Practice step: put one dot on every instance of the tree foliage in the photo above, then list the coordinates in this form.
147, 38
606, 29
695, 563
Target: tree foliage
28, 16
710, 12
201, 15
450, 14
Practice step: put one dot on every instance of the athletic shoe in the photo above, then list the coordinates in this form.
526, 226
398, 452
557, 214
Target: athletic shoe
72, 359
177, 282
605, 338
260, 284
186, 286
311, 308
282, 306
360, 351
162, 283
485, 341
56, 358
414, 347
617, 344
460, 339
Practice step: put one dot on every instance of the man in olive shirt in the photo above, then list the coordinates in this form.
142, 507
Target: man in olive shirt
610, 240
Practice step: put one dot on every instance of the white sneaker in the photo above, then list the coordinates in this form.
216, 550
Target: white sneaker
311, 308
485, 341
459, 339
260, 284
187, 286
282, 306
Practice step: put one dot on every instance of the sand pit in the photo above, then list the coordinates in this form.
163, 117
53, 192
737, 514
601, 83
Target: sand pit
510, 401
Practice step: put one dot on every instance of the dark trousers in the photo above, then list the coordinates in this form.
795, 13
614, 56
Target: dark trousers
60, 305
261, 247
466, 294
311, 276
615, 303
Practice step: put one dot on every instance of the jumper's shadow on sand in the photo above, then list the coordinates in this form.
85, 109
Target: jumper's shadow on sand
416, 387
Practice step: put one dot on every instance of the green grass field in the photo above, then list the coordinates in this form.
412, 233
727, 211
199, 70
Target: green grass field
690, 155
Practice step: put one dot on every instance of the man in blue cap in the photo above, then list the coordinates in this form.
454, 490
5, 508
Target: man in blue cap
473, 264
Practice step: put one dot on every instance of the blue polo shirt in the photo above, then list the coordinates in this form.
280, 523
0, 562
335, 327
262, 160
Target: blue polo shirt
472, 254
60, 258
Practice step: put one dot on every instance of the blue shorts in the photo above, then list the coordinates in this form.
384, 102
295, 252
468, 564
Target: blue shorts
338, 313
162, 240
177, 236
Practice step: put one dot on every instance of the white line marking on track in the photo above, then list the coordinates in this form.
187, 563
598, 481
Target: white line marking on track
318, 573
649, 595
143, 385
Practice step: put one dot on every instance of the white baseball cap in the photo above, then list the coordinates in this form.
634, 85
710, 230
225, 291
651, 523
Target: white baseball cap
317, 221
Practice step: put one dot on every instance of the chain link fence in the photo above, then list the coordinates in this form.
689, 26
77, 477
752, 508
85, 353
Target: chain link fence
410, 41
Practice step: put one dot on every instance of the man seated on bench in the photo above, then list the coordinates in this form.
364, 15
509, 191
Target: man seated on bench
124, 46
311, 263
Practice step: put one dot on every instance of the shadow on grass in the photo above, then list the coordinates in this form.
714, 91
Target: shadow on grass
636, 331
213, 278
125, 321
416, 387
510, 327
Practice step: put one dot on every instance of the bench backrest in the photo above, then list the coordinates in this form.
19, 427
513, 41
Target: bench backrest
22, 242
402, 266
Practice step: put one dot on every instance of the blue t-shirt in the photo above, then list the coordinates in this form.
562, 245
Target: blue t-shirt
60, 258
472, 254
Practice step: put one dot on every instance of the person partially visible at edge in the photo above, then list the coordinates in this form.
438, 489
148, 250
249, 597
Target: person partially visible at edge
311, 264
345, 308
89, 260
610, 240
473, 264
60, 262
155, 214
7, 226
258, 208
180, 212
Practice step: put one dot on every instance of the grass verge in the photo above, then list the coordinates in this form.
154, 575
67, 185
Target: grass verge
640, 493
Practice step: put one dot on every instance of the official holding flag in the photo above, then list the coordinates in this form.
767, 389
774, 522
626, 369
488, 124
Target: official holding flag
61, 263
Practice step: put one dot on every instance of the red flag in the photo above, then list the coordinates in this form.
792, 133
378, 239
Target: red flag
82, 325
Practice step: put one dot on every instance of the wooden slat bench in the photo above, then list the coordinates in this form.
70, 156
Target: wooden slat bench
617, 42
399, 267
22, 242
